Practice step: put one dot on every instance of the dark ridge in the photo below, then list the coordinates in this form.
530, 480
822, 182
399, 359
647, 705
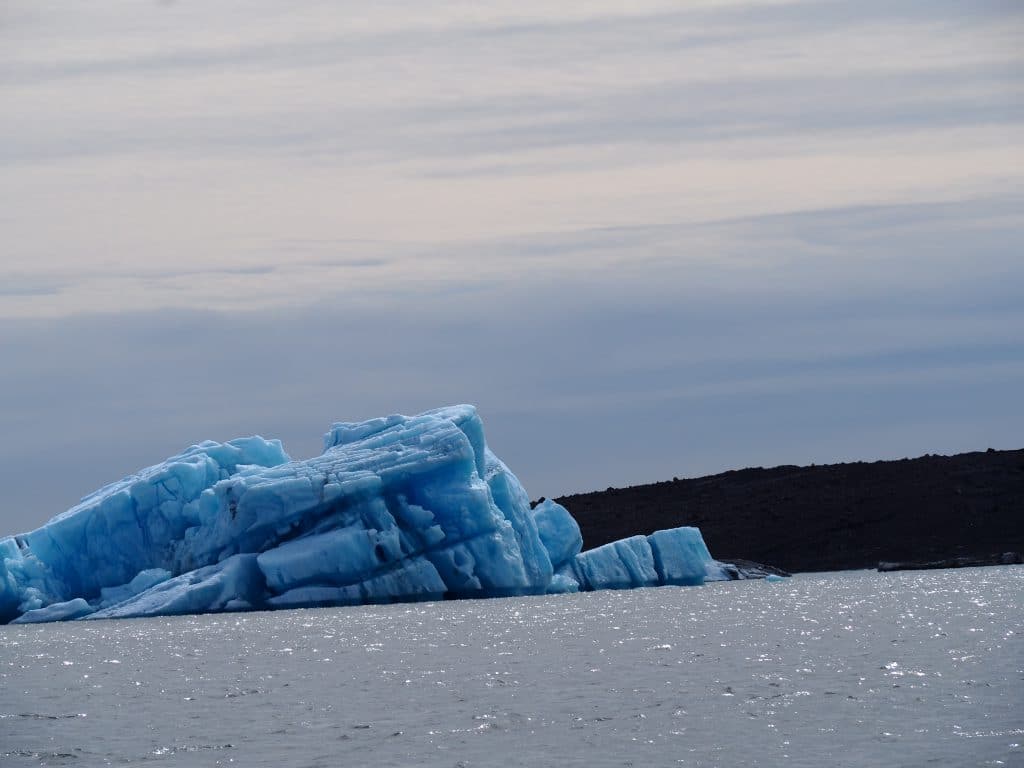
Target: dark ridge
829, 517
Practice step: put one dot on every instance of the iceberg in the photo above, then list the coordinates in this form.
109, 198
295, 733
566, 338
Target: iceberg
395, 509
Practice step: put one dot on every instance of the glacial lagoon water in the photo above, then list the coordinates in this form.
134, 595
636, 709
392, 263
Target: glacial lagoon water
840, 669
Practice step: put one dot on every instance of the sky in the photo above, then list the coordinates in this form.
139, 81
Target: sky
646, 240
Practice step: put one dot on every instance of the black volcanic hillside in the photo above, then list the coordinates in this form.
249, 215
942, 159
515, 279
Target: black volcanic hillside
829, 517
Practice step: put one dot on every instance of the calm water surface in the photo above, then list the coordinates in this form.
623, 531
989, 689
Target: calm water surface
844, 669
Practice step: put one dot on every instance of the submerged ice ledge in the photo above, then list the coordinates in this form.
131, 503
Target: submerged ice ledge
395, 509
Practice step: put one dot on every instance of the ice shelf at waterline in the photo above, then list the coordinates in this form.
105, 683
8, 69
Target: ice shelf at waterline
395, 509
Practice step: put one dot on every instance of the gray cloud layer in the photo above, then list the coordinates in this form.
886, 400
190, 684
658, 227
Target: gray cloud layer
582, 384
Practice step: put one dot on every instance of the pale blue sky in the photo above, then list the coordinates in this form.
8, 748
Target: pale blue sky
668, 239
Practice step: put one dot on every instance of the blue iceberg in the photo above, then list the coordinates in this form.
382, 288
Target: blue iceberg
394, 509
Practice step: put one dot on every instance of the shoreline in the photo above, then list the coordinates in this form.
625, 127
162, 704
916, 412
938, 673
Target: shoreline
830, 517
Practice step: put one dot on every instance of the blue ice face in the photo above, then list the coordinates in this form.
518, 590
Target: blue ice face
397, 508
558, 531
127, 527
